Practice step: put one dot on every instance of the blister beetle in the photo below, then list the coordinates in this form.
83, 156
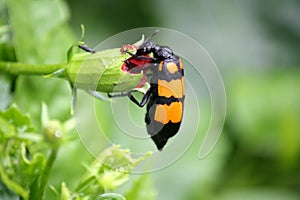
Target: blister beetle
166, 95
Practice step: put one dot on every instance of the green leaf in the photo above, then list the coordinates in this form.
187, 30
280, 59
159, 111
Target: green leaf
20, 164
6, 129
65, 192
110, 170
74, 48
115, 158
31, 167
43, 35
6, 194
14, 186
15, 117
31, 91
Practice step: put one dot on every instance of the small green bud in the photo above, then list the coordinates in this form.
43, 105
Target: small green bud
53, 131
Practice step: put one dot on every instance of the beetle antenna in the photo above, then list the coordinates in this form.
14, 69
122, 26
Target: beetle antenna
151, 36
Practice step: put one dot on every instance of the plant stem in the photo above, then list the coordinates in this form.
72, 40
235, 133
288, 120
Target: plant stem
45, 175
29, 69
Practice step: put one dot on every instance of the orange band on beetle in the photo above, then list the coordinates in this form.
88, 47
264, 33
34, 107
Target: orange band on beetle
180, 64
165, 113
160, 66
183, 90
172, 67
173, 88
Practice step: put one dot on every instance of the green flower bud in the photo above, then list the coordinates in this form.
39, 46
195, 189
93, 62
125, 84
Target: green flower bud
101, 71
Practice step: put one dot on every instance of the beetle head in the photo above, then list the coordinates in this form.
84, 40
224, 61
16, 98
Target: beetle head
148, 46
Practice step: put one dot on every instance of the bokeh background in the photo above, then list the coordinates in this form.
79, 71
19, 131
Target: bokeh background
256, 46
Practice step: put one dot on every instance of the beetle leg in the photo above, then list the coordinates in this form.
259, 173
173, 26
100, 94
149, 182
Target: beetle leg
132, 54
143, 101
128, 64
132, 98
140, 57
97, 95
86, 48
122, 94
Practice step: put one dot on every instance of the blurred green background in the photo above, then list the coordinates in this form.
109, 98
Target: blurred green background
256, 45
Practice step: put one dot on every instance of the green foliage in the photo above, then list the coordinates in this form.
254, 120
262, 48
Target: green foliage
21, 164
110, 170
30, 146
257, 156
25, 169
43, 35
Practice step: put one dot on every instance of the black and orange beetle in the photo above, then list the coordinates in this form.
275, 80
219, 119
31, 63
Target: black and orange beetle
166, 95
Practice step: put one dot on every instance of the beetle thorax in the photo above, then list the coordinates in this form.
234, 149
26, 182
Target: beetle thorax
163, 53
